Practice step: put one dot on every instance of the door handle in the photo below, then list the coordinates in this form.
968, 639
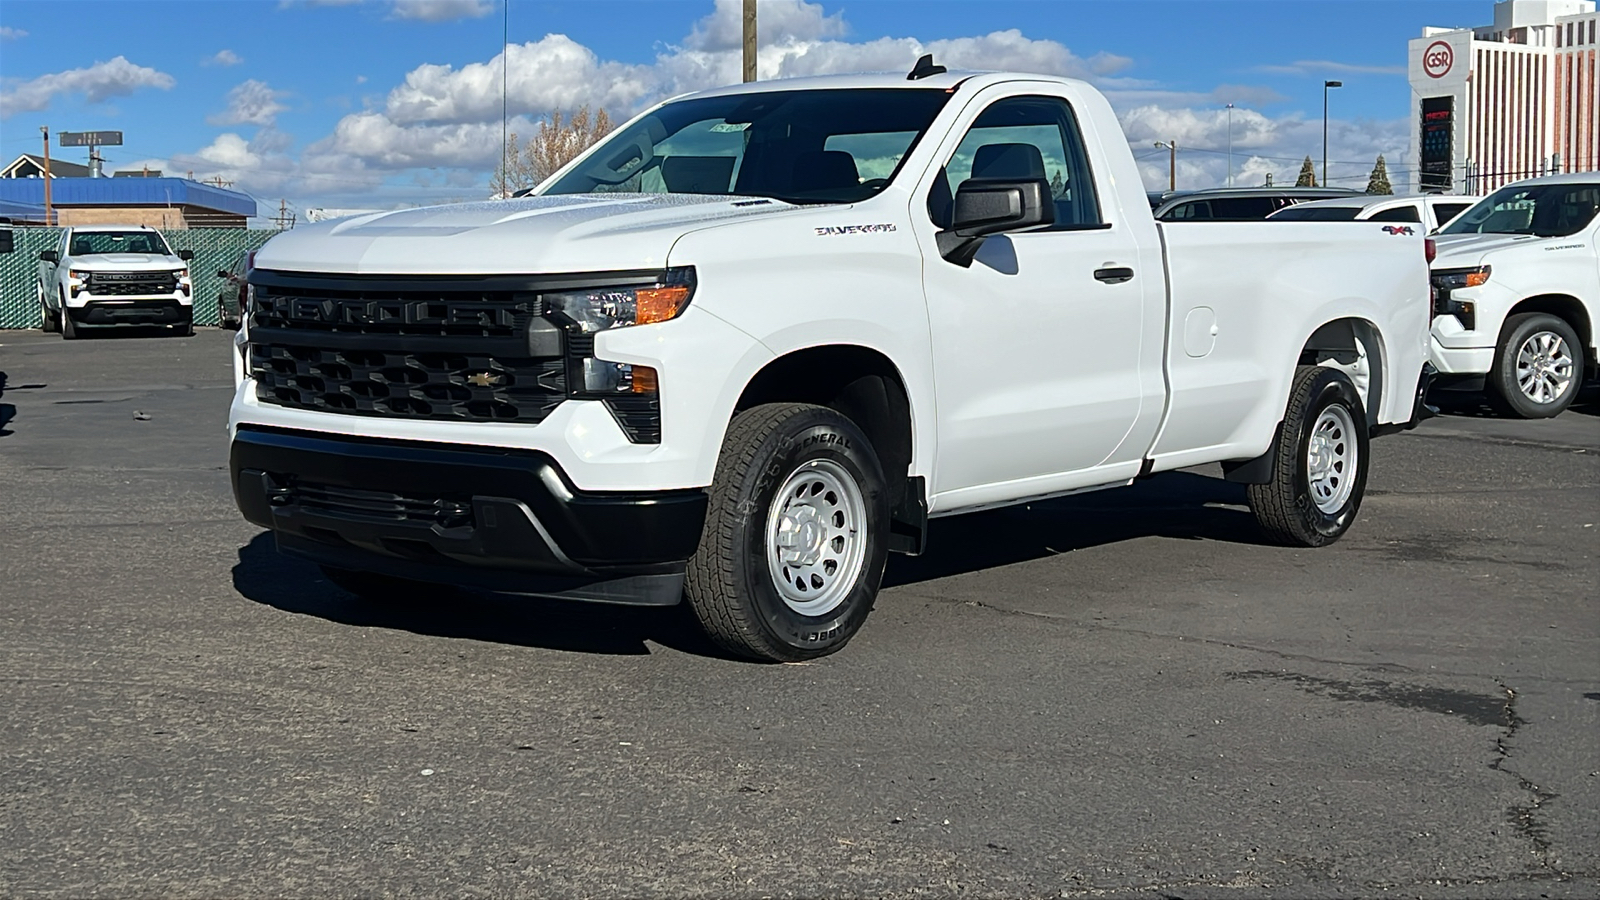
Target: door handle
1113, 274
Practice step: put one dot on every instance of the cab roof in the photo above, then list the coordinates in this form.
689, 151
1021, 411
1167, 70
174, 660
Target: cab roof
945, 80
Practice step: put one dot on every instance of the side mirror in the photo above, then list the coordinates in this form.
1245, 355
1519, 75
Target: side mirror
222, 273
186, 255
50, 256
983, 207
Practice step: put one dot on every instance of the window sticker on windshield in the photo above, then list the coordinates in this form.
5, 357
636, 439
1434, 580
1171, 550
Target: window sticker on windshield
727, 127
824, 230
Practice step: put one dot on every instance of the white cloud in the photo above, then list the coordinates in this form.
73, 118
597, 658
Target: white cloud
251, 102
437, 133
7, 33
440, 10
113, 78
223, 57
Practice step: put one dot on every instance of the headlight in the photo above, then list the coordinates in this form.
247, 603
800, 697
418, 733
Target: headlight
77, 274
1451, 279
618, 307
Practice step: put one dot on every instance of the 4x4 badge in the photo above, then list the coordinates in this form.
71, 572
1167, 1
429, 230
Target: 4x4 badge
484, 379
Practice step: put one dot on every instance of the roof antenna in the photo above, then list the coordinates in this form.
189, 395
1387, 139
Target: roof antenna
924, 68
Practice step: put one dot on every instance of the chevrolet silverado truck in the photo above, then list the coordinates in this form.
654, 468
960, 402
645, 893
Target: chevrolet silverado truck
751, 342
1516, 288
108, 275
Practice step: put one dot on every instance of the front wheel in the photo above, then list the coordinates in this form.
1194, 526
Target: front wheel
1538, 367
795, 537
1321, 470
69, 328
48, 321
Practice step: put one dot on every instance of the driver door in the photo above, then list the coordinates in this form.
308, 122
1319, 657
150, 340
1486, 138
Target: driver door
1036, 345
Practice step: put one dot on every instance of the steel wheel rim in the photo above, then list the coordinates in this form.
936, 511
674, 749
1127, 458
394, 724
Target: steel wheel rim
1544, 367
816, 537
1331, 459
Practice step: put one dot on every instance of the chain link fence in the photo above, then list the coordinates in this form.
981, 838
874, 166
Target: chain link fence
214, 249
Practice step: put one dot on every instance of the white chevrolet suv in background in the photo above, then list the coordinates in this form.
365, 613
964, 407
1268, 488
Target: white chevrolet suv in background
1516, 286
1431, 211
106, 275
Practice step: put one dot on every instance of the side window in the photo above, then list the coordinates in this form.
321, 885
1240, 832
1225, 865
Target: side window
1407, 213
1447, 211
1022, 138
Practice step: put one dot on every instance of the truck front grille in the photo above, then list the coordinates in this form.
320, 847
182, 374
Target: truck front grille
413, 348
131, 284
462, 348
415, 385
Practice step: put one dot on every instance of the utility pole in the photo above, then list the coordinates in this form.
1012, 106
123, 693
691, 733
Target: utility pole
1172, 164
283, 219
1325, 86
1230, 145
749, 40
49, 217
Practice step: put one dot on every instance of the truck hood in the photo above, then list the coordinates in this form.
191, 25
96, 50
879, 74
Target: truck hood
532, 235
126, 262
1454, 251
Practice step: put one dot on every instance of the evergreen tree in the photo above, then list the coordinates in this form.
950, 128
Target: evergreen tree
1308, 175
1378, 183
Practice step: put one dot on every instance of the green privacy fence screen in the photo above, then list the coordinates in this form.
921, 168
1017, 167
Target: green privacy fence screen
214, 248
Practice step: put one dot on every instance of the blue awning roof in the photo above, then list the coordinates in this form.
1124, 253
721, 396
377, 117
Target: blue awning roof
146, 192
21, 212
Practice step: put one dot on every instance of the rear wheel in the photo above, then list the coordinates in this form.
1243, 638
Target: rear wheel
795, 538
1321, 471
1538, 367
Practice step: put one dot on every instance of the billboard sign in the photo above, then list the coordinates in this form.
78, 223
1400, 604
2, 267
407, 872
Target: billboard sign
1438, 142
91, 139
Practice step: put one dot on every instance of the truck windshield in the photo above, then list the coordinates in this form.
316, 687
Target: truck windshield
1546, 210
88, 243
817, 146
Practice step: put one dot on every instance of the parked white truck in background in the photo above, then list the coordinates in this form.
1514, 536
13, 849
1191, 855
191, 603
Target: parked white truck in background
1517, 286
751, 342
108, 275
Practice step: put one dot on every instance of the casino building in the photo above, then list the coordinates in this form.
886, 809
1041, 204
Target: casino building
1507, 101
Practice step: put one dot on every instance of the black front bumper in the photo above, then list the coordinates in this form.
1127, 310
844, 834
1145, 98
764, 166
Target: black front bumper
505, 520
131, 312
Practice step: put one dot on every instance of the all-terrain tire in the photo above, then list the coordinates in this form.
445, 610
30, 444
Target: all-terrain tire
834, 506
1320, 473
69, 328
1540, 333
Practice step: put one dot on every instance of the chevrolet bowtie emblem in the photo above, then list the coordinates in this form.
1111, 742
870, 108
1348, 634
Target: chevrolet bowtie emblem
484, 379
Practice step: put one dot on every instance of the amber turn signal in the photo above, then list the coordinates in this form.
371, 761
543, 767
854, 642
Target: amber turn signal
661, 304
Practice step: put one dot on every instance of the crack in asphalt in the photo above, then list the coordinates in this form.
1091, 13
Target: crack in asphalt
1523, 817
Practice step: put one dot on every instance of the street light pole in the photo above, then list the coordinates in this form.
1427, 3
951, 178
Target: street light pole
1325, 86
1230, 144
1172, 166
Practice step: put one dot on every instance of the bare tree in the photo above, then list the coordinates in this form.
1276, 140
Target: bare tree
556, 142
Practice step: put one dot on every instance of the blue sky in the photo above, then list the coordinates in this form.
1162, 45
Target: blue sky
396, 102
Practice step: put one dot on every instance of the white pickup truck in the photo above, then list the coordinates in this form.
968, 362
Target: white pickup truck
109, 275
1516, 291
752, 341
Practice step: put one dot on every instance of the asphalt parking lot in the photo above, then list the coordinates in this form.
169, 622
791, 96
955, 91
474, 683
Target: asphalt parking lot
1118, 694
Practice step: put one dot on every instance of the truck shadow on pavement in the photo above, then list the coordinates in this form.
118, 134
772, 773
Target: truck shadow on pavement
268, 577
1179, 505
